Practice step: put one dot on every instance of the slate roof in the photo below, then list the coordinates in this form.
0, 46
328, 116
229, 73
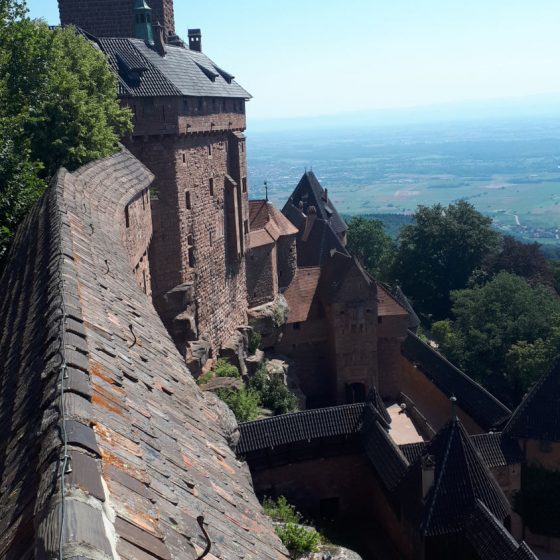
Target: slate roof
538, 415
414, 321
310, 192
181, 72
300, 426
497, 449
491, 540
267, 224
147, 450
461, 479
477, 402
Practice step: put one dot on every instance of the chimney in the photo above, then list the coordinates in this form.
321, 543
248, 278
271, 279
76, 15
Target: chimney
159, 39
195, 40
428, 474
309, 221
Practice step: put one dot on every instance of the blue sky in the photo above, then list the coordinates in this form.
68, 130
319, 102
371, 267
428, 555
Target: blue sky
322, 57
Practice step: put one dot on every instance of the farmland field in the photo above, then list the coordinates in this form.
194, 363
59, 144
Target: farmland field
507, 170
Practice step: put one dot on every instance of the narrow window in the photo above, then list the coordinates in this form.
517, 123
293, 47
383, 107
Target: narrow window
145, 282
210, 150
127, 216
191, 257
211, 186
244, 184
188, 200
143, 200
242, 147
184, 158
211, 240
246, 227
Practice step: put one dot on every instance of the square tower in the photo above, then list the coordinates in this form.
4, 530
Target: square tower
113, 18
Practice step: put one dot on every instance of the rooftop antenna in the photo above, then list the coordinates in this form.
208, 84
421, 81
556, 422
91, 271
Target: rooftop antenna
266, 190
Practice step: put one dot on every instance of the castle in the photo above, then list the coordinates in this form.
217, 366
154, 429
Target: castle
140, 268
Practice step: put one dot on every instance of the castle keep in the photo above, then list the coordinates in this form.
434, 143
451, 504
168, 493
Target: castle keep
133, 274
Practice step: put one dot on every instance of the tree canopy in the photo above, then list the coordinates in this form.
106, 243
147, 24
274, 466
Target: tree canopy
439, 252
505, 334
368, 241
58, 107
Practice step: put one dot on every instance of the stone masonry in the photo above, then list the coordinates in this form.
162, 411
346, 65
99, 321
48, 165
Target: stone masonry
112, 18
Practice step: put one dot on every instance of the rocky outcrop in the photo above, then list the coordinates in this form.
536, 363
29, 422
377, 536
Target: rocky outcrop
269, 319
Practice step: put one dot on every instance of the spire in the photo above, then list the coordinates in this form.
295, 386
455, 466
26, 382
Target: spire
461, 480
453, 400
143, 21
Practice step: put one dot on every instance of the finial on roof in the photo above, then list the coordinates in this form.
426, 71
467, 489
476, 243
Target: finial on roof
143, 21
266, 190
453, 400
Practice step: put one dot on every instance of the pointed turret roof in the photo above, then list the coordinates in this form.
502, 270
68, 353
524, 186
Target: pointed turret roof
310, 192
461, 480
538, 415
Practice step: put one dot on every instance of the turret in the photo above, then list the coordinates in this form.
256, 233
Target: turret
143, 21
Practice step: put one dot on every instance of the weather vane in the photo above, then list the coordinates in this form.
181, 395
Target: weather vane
266, 190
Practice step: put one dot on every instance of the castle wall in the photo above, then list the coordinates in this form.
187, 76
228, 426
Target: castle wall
389, 356
543, 454
200, 213
136, 233
262, 285
430, 401
287, 260
362, 503
113, 18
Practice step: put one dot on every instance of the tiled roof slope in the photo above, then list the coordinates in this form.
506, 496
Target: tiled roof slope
538, 415
148, 454
301, 293
461, 479
497, 449
267, 224
388, 306
491, 540
310, 192
181, 72
477, 402
300, 426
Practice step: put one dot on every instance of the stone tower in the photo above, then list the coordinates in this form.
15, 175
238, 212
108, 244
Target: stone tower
114, 18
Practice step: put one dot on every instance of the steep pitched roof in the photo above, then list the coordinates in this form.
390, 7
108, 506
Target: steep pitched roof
267, 224
301, 293
181, 72
497, 449
476, 401
399, 295
491, 540
388, 305
90, 373
310, 193
461, 479
538, 415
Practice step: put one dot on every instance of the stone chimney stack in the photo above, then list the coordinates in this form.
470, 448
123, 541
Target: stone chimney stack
195, 40
159, 39
143, 21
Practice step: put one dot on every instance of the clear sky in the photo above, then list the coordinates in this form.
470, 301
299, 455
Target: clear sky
321, 57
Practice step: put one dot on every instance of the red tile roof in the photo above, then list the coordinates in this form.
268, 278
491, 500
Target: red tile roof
301, 293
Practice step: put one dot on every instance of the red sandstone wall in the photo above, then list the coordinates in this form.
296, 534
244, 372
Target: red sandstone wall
349, 478
262, 286
430, 401
112, 18
544, 454
287, 260
136, 228
389, 358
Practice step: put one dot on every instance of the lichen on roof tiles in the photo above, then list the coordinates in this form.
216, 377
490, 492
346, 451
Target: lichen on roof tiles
148, 451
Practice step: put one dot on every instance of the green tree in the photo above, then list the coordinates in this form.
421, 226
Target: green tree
505, 334
58, 107
368, 241
439, 252
523, 259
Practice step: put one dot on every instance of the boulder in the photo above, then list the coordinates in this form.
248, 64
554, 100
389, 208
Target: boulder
197, 355
269, 320
228, 422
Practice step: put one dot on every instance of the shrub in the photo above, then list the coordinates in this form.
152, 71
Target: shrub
278, 397
205, 377
255, 340
279, 317
298, 540
260, 380
281, 510
244, 403
223, 368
